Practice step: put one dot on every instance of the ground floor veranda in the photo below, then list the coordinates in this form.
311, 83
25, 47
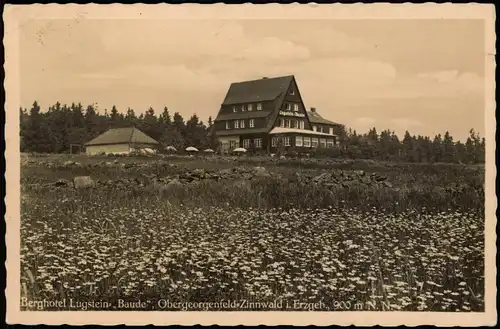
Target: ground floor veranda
278, 139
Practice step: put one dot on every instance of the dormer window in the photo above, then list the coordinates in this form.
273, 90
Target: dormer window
288, 106
243, 109
234, 108
228, 125
292, 92
296, 107
259, 106
249, 107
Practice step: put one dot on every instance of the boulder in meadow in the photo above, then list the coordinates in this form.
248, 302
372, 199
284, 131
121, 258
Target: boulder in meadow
83, 182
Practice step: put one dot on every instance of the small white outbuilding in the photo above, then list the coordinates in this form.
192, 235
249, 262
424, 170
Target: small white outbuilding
120, 141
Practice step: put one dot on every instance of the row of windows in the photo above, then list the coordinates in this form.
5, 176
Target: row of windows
290, 123
323, 130
292, 107
257, 143
304, 141
240, 124
247, 107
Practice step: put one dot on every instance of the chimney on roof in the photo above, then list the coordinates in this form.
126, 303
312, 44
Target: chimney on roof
313, 109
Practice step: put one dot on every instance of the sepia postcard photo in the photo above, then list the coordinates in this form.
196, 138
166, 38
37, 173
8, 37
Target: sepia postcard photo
250, 164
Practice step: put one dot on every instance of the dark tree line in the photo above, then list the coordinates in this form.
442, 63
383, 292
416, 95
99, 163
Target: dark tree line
388, 146
54, 130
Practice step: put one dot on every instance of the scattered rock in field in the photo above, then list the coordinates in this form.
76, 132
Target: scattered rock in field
62, 182
260, 172
322, 177
366, 180
226, 172
173, 184
83, 182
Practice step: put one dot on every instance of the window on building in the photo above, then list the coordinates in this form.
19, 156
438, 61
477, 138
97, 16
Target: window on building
287, 123
322, 142
242, 123
282, 123
298, 141
249, 107
296, 107
236, 124
259, 106
288, 106
246, 143
252, 123
315, 128
243, 108
228, 125
234, 109
301, 124
286, 141
292, 92
258, 143
274, 141
330, 131
232, 144
307, 141
330, 142
314, 142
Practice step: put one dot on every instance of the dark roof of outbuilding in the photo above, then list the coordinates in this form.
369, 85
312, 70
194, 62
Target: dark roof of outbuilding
264, 89
130, 135
314, 117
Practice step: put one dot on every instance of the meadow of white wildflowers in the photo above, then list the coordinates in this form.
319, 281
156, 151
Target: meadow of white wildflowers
101, 245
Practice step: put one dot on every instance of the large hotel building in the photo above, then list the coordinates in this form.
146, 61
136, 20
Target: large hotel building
269, 113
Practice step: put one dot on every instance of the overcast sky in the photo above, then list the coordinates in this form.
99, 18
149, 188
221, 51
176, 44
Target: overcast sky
426, 76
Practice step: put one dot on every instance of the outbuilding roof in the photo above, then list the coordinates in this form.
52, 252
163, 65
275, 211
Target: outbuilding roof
314, 117
129, 135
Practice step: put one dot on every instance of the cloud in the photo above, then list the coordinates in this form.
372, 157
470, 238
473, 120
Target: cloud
363, 124
178, 41
440, 76
365, 120
439, 84
405, 123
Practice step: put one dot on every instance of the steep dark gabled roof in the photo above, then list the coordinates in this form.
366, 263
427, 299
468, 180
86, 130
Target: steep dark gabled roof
314, 117
130, 135
265, 89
